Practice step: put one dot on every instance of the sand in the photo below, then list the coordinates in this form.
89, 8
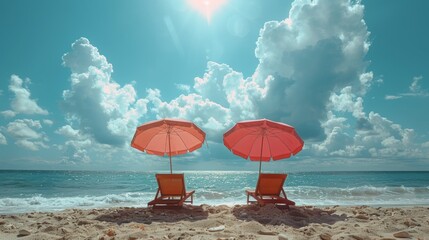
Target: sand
222, 222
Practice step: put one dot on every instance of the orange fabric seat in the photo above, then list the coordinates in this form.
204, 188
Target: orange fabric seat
171, 191
269, 189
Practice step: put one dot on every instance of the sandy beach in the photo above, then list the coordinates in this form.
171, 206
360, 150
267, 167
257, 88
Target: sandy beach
221, 222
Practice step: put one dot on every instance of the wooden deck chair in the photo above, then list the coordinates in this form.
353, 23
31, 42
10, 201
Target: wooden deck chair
171, 191
269, 189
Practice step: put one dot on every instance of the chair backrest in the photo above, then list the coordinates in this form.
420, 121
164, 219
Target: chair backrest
270, 183
171, 184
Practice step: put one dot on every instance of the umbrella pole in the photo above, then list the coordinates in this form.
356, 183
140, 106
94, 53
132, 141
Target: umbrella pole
171, 168
260, 160
169, 150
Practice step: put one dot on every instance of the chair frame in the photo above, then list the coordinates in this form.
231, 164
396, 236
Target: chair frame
279, 198
171, 200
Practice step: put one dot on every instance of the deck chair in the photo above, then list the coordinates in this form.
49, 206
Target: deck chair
171, 191
269, 189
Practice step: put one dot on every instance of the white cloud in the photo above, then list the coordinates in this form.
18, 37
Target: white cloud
319, 80
392, 97
22, 102
82, 148
211, 85
222, 97
371, 136
311, 74
210, 116
8, 113
346, 101
95, 104
76, 151
318, 50
31, 145
302, 60
68, 131
366, 80
23, 128
27, 134
384, 138
415, 86
337, 138
85, 56
48, 122
2, 139
183, 87
415, 90
223, 85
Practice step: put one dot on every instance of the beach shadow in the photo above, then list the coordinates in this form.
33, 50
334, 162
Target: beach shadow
294, 216
149, 215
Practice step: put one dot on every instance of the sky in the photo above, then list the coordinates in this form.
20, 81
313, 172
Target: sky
78, 77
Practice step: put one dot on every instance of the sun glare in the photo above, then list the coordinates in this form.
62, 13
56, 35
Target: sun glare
206, 7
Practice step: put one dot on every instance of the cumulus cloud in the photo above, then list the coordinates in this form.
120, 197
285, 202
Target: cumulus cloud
183, 87
311, 74
346, 101
216, 101
77, 146
8, 113
95, 103
48, 122
317, 50
209, 115
68, 131
310, 64
27, 134
337, 137
303, 60
371, 136
3, 140
387, 139
76, 151
230, 89
101, 114
382, 138
81, 148
22, 102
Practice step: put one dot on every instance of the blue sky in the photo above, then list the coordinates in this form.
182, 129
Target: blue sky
77, 77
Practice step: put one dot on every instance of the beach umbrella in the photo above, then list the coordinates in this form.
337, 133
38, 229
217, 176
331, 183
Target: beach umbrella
168, 137
263, 140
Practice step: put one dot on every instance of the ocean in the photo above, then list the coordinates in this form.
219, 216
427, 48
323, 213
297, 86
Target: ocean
46, 191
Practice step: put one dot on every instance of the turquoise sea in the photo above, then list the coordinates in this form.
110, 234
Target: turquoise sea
28, 191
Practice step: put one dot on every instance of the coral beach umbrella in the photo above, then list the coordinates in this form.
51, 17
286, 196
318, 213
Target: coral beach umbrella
263, 140
168, 137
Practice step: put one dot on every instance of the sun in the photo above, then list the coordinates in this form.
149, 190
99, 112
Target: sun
206, 7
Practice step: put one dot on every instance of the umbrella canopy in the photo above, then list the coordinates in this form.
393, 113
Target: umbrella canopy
263, 140
168, 137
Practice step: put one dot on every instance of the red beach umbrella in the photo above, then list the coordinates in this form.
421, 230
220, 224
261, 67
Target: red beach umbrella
263, 140
168, 137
